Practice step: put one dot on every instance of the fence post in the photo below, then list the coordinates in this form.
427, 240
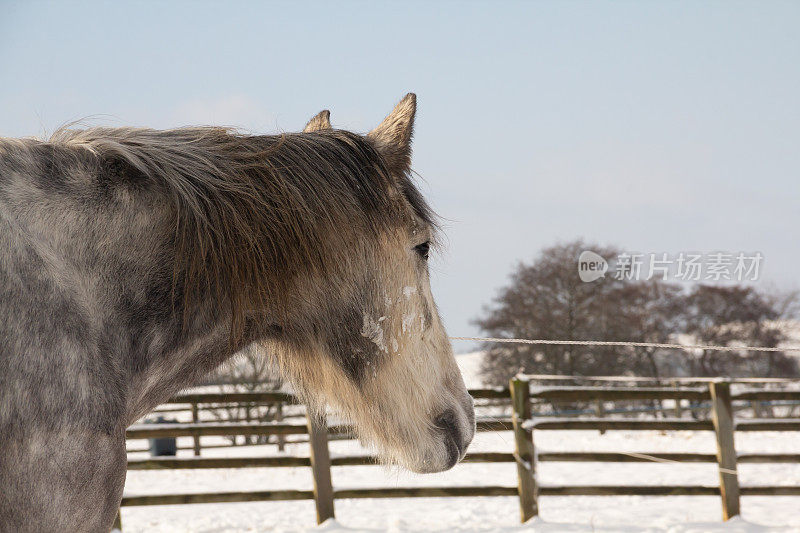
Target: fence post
523, 443
678, 411
600, 411
195, 420
320, 465
722, 417
248, 439
279, 418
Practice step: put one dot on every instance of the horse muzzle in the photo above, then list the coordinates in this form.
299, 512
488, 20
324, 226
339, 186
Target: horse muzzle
452, 432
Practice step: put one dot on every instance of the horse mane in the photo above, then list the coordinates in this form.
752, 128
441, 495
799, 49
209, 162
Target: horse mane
251, 210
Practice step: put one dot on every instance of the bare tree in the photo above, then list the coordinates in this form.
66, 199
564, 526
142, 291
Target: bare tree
731, 315
649, 312
546, 299
249, 371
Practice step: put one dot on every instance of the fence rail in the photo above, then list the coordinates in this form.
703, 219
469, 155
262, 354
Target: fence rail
619, 393
520, 396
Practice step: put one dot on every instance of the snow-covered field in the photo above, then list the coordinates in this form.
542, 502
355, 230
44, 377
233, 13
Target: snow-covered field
608, 513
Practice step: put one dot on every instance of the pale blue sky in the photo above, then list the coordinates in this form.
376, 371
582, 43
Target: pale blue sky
655, 126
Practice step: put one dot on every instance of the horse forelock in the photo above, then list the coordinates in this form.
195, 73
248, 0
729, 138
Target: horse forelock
254, 212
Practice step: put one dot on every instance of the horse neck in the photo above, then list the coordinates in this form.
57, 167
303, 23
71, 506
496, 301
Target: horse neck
88, 304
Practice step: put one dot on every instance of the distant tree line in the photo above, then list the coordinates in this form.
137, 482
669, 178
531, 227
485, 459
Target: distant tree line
547, 300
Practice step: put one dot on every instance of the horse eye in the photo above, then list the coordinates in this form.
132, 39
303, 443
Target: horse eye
423, 250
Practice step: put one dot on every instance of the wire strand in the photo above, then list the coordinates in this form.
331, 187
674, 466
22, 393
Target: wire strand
646, 457
636, 344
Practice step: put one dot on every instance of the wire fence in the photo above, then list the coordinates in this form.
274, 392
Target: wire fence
633, 344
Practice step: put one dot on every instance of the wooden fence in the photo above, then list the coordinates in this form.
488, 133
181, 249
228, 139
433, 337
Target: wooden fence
522, 423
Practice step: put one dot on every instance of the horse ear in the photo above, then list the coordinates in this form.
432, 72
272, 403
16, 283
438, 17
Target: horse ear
392, 137
320, 121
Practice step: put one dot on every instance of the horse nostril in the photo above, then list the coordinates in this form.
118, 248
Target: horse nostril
448, 423
446, 420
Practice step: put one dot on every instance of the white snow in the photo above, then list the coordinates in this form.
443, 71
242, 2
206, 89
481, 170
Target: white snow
408, 322
470, 365
408, 291
674, 514
373, 330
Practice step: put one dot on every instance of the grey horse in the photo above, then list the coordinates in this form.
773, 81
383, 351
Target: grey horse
135, 261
